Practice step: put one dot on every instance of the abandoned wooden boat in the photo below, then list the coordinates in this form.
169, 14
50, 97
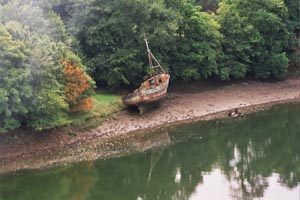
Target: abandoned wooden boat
154, 86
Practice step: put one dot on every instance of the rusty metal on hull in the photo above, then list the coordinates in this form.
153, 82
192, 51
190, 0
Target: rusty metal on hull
153, 88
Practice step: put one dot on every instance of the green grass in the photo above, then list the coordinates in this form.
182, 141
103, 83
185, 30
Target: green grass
105, 104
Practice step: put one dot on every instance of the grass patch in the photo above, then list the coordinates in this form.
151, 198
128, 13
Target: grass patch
105, 105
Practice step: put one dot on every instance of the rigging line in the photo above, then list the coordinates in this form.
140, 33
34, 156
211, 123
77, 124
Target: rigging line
151, 56
157, 62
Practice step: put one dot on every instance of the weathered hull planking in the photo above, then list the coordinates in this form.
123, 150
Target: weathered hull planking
151, 90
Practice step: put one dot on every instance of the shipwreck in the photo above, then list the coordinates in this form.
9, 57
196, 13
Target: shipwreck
154, 87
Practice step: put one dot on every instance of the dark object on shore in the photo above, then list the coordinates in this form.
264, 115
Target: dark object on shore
235, 113
154, 87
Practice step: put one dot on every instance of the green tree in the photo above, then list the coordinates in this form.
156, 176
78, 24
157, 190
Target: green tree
14, 80
48, 106
43, 36
197, 45
255, 38
45, 104
37, 20
293, 24
208, 5
110, 36
293, 17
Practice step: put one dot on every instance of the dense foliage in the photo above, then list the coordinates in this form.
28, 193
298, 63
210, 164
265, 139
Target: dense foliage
293, 23
255, 37
223, 39
196, 48
110, 36
243, 38
14, 80
33, 42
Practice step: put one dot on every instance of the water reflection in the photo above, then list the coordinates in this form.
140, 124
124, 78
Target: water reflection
253, 158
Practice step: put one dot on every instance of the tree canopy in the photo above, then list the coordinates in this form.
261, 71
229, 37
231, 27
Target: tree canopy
255, 37
243, 38
33, 42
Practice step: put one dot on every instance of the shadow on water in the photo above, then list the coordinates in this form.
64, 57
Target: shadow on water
173, 162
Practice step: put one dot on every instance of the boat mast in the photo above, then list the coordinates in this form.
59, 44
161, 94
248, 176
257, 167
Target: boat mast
150, 57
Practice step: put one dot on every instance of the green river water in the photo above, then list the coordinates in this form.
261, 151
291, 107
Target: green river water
255, 157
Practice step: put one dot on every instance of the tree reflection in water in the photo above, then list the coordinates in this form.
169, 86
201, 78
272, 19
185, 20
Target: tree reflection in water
247, 152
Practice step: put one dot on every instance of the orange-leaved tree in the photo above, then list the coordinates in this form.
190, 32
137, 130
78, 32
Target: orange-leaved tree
78, 87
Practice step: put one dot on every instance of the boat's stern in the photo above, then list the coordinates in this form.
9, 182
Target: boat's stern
131, 99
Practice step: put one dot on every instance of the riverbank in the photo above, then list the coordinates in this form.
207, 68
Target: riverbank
28, 150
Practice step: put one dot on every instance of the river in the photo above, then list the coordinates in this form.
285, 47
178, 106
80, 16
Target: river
253, 157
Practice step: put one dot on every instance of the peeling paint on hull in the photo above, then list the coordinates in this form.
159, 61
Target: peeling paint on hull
151, 90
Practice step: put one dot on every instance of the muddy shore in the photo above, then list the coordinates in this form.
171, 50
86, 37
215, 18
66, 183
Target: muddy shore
28, 150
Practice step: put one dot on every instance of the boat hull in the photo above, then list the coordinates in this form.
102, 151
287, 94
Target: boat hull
151, 90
